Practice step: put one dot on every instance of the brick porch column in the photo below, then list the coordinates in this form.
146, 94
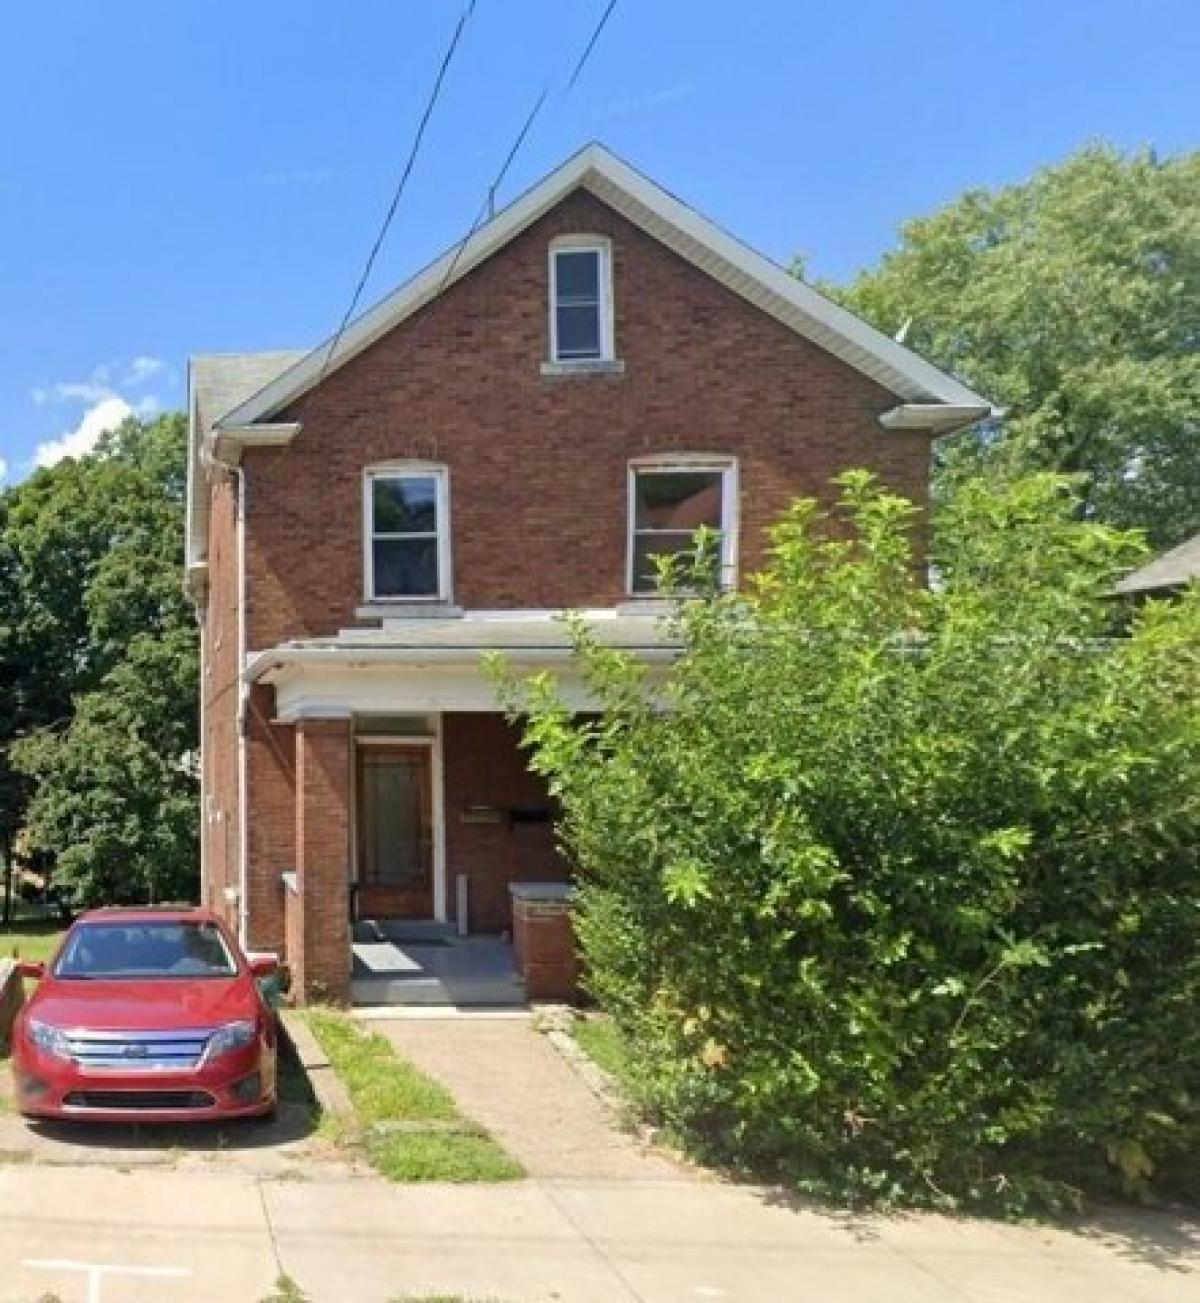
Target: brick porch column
318, 911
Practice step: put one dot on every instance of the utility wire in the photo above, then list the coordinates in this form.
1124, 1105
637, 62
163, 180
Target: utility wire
485, 208
591, 45
419, 136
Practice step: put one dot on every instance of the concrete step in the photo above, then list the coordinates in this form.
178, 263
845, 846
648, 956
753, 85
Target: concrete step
419, 930
494, 992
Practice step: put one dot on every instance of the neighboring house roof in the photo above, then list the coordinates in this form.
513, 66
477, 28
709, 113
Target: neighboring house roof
235, 397
217, 383
1167, 572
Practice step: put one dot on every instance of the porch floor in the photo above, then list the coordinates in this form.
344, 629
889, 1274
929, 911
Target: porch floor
398, 965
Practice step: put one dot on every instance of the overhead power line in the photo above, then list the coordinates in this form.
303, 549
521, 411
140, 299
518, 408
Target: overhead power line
591, 45
488, 204
398, 194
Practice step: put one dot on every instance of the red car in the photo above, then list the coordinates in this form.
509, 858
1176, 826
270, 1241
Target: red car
150, 1015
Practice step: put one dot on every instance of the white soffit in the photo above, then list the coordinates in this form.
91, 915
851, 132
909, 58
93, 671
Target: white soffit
696, 239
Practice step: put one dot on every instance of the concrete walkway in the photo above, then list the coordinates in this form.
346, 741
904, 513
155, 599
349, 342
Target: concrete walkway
192, 1237
507, 1076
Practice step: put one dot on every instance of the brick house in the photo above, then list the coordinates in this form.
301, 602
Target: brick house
511, 433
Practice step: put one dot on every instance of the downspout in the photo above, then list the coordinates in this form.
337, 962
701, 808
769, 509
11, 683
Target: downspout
242, 711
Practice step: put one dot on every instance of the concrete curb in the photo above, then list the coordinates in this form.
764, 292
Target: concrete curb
553, 1024
331, 1093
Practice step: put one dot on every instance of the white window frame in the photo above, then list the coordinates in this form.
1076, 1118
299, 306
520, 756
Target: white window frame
602, 247
406, 470
666, 463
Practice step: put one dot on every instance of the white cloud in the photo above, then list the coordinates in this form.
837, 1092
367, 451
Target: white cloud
104, 381
106, 397
312, 176
629, 105
3, 469
91, 390
102, 416
142, 368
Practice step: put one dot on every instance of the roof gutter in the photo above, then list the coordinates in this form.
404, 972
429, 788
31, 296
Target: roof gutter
226, 443
279, 658
937, 418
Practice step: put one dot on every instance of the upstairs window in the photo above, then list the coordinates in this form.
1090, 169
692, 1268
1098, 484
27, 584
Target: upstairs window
580, 300
407, 535
668, 502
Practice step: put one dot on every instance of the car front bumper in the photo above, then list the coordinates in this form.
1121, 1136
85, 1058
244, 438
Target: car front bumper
238, 1084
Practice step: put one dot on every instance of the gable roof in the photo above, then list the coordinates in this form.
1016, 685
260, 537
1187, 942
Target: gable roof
1171, 570
945, 403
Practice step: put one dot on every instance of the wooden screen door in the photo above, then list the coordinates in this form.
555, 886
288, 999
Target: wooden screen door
395, 832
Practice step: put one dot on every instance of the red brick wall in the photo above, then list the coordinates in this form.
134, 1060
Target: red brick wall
219, 830
321, 966
538, 464
538, 492
271, 826
544, 950
484, 767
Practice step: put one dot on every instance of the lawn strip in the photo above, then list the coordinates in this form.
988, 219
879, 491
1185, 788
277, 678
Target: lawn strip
391, 1099
599, 1039
29, 939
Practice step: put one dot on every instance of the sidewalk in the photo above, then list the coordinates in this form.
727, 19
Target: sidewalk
209, 1236
507, 1076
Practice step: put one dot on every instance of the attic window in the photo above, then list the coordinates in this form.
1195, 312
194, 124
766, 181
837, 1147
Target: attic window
581, 300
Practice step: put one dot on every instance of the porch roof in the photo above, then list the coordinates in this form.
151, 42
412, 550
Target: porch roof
434, 663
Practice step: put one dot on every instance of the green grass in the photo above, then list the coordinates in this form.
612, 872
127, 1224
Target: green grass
602, 1043
30, 939
286, 1291
386, 1089
434, 1298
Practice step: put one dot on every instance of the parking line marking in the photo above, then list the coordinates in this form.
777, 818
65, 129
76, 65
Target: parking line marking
96, 1271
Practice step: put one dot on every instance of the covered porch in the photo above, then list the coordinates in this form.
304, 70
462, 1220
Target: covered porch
415, 817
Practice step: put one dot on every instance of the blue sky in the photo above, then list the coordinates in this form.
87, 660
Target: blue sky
182, 177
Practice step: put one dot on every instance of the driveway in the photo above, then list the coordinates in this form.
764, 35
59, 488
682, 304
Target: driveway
154, 1235
254, 1147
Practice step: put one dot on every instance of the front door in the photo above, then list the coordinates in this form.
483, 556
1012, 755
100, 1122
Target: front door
395, 832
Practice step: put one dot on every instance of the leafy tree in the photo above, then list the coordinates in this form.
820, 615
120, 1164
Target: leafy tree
1073, 301
103, 659
898, 896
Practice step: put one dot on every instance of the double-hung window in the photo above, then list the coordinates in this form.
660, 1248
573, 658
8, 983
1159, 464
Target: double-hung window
581, 300
668, 502
407, 534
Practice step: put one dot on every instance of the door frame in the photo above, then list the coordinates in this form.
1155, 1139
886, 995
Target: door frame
432, 742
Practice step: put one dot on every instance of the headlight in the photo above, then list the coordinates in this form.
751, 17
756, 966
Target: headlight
233, 1036
50, 1040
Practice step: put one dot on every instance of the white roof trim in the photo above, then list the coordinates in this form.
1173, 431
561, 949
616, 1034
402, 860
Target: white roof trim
938, 418
701, 242
228, 441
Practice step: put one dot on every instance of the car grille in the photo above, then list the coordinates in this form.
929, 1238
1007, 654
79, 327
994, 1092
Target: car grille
138, 1100
129, 1050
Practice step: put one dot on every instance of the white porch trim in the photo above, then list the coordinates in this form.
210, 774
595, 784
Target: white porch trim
425, 667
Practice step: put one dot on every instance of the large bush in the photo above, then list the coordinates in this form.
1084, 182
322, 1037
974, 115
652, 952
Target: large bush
899, 895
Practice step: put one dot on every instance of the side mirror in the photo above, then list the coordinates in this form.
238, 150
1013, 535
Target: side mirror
29, 968
264, 966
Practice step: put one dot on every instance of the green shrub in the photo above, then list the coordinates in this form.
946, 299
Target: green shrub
899, 897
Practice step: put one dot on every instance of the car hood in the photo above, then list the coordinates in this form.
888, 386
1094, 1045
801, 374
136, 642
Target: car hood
143, 1005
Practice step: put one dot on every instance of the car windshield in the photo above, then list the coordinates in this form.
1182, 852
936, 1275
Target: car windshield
145, 948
